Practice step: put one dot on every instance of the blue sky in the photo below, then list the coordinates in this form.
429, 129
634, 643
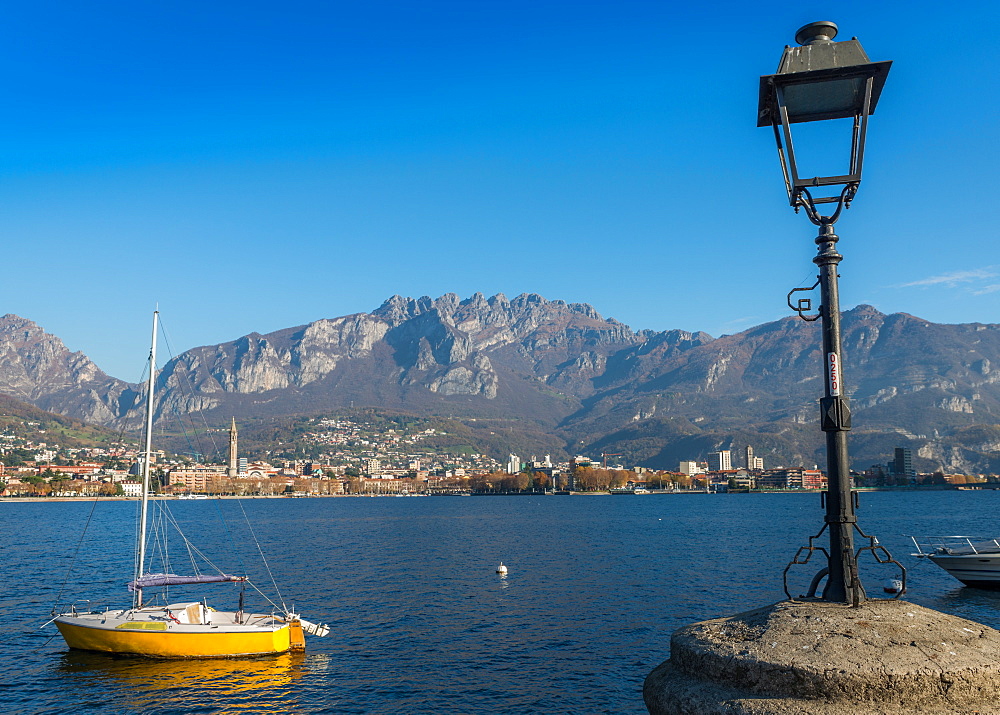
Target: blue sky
256, 166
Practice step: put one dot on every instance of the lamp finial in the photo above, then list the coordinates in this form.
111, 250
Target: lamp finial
814, 32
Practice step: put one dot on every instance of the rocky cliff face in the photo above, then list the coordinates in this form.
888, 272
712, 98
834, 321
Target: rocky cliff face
657, 397
289, 358
443, 347
911, 383
36, 367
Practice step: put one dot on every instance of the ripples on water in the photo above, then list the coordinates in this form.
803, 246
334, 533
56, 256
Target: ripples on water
420, 622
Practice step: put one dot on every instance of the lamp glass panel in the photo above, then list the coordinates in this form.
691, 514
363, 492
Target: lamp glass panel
823, 149
839, 96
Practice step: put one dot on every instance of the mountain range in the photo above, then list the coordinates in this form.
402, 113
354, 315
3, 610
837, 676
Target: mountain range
543, 375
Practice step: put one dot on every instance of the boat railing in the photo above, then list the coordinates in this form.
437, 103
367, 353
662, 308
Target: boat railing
953, 545
70, 610
78, 607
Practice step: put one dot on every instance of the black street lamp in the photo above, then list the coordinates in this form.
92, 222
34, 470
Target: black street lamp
819, 80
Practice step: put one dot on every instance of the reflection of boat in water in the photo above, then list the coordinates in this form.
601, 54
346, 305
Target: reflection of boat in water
185, 629
260, 685
973, 562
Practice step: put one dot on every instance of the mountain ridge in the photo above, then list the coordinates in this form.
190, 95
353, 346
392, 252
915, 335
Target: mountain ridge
591, 383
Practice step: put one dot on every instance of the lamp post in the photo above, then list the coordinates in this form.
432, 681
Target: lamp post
822, 80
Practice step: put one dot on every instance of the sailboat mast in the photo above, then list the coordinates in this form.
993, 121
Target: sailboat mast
148, 452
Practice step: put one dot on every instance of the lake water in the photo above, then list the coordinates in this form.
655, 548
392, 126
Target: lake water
420, 622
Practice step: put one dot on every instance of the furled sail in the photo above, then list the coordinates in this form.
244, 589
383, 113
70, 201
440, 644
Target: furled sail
169, 579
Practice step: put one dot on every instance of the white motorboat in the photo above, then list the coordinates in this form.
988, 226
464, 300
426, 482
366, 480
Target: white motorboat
974, 562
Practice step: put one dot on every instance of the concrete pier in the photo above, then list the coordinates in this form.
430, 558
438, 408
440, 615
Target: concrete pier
806, 657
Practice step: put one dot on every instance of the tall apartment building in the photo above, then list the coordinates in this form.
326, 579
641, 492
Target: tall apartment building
902, 465
753, 463
720, 461
513, 464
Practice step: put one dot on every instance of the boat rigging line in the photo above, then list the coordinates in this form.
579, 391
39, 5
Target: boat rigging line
232, 539
260, 551
97, 498
72, 561
189, 431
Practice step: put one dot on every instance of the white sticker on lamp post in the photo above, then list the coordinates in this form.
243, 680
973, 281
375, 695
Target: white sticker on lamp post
833, 373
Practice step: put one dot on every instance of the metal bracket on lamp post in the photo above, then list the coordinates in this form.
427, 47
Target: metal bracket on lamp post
803, 305
803, 199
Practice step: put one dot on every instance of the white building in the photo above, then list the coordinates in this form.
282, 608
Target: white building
720, 461
513, 464
690, 468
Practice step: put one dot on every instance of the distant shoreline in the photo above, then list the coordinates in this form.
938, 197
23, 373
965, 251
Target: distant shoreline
155, 498
929, 488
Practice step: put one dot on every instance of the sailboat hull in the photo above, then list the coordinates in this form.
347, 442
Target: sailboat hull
157, 639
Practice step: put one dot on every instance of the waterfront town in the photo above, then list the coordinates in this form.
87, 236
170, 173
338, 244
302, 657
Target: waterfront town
354, 459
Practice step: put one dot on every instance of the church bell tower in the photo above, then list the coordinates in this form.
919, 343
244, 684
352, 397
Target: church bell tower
231, 466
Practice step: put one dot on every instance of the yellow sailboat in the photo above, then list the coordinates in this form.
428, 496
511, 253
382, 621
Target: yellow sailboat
179, 630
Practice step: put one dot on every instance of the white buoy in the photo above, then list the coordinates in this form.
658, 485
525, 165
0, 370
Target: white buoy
501, 569
893, 586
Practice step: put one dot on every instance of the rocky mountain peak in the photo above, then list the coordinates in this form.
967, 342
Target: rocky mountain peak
398, 309
524, 313
477, 301
37, 367
865, 310
14, 328
447, 303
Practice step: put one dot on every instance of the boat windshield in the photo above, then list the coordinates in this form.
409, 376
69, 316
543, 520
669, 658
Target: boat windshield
955, 545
